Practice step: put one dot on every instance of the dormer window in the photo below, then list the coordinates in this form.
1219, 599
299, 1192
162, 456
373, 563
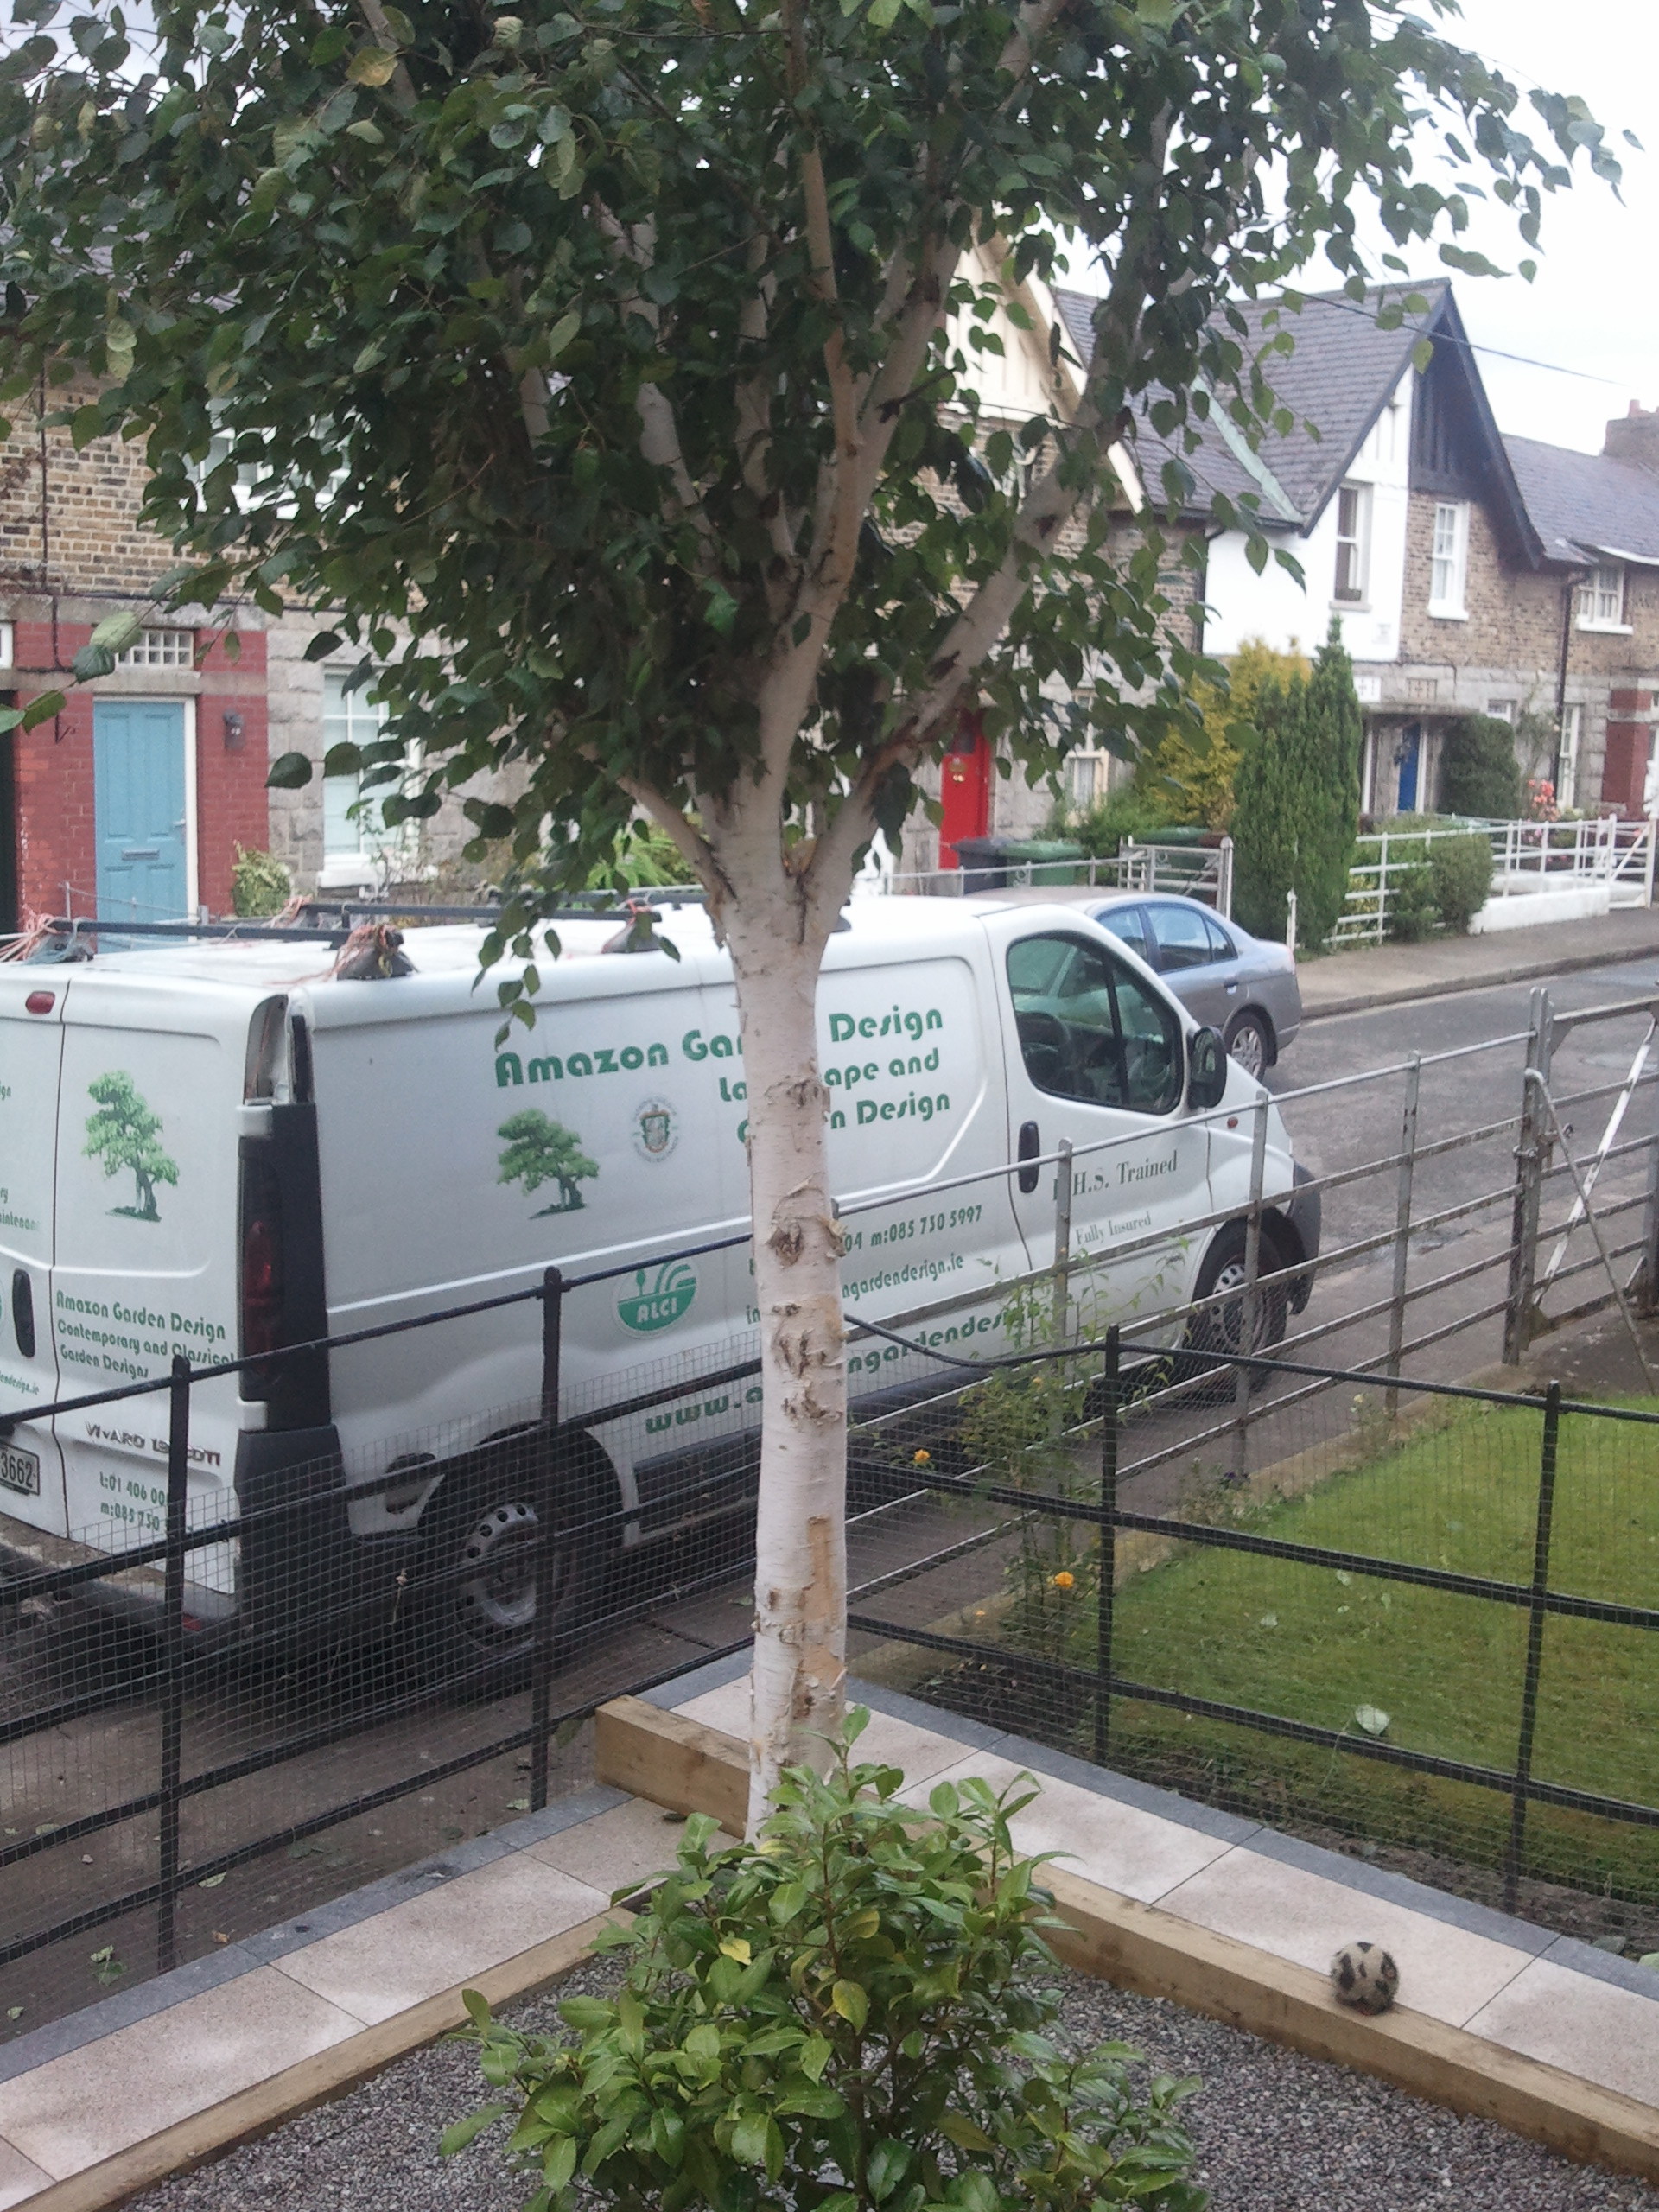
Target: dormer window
1353, 533
1601, 598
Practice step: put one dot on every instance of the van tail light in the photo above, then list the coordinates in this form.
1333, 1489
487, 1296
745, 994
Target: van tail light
262, 1288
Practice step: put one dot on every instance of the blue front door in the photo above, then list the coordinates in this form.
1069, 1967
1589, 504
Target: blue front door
1408, 754
139, 786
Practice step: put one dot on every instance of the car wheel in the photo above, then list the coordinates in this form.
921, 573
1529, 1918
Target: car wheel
1220, 1332
476, 1589
1247, 1041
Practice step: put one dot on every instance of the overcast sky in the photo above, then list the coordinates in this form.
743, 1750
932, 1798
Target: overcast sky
1594, 305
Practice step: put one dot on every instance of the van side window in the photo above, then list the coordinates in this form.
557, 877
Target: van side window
1089, 1029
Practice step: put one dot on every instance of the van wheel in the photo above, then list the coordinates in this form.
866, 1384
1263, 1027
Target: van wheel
1221, 1331
477, 1607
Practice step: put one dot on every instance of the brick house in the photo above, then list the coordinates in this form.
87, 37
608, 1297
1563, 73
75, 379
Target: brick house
135, 799
1471, 573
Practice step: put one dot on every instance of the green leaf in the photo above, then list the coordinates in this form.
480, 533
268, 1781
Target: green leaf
967, 2135
749, 2139
343, 759
886, 2168
42, 707
848, 1998
456, 2139
290, 773
562, 333
371, 65
116, 632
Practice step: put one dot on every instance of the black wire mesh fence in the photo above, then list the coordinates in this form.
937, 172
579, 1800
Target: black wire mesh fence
1394, 1615
1425, 1630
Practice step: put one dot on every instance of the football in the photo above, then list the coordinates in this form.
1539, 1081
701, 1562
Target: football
1365, 1976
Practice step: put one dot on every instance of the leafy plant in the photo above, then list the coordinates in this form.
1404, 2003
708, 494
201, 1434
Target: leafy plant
259, 882
1480, 776
1460, 877
1129, 811
1413, 913
837, 2017
645, 859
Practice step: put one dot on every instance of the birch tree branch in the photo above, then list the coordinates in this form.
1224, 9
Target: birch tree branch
633, 246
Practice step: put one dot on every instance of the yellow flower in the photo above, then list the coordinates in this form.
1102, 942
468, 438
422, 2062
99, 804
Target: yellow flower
922, 1460
1064, 1581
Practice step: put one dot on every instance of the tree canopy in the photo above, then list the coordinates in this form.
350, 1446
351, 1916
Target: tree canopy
598, 346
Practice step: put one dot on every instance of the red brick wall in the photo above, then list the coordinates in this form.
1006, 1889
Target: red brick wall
56, 838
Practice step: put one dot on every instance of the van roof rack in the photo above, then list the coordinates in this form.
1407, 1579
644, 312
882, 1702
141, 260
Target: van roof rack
64, 936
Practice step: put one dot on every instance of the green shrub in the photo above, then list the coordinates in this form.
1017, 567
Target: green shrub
1129, 811
1479, 774
1413, 913
1296, 815
259, 882
1460, 873
838, 2017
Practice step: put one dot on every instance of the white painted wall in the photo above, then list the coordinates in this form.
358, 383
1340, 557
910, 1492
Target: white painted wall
1291, 617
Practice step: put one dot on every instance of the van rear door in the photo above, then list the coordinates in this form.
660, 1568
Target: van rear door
31, 1062
145, 1260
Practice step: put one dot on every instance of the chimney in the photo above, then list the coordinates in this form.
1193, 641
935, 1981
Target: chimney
1634, 437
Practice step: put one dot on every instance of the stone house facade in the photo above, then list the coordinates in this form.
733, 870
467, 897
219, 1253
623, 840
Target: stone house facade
1470, 573
134, 799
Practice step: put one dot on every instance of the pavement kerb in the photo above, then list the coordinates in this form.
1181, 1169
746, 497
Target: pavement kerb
317, 2080
1447, 987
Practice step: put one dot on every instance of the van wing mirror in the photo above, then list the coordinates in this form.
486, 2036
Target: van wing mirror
1206, 1071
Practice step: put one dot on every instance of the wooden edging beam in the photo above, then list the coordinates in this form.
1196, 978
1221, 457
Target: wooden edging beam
327, 2074
692, 1769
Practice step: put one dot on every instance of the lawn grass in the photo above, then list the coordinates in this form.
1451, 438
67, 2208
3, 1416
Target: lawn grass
1316, 1645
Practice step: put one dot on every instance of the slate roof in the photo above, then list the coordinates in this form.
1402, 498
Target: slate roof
1584, 503
1340, 377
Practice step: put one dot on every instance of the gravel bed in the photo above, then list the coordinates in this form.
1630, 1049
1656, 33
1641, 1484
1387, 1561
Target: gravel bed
1276, 2132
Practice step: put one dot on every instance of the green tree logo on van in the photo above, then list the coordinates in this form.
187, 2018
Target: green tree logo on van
539, 1151
123, 1134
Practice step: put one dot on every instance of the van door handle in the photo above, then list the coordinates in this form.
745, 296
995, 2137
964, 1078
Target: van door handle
1031, 1146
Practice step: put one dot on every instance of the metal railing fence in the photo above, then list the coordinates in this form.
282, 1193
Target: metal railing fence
1555, 1214
1090, 1565
1529, 858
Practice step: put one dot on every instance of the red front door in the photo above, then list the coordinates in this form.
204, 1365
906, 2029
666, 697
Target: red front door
964, 788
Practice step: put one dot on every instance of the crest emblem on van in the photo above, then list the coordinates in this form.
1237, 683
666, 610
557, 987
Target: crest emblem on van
658, 1298
656, 1130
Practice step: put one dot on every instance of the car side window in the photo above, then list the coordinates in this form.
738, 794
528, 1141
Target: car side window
1221, 946
1128, 926
1182, 939
1091, 1030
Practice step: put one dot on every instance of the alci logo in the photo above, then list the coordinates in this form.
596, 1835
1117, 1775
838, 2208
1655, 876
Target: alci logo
658, 1298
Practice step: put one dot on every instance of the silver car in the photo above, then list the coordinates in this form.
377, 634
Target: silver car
1240, 984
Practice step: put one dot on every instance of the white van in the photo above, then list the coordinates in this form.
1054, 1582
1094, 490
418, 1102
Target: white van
218, 1149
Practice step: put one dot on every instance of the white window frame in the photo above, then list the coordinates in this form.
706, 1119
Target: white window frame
1359, 539
1601, 599
1567, 753
1448, 561
1086, 775
1502, 711
160, 647
8, 646
351, 718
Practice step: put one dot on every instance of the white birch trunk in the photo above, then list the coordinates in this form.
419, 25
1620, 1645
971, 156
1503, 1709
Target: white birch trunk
800, 1589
